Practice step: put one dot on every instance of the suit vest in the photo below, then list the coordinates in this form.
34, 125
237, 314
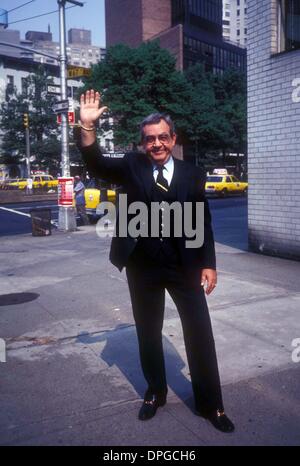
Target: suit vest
161, 250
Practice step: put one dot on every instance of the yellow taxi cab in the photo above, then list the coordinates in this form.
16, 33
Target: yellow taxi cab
39, 181
221, 184
93, 198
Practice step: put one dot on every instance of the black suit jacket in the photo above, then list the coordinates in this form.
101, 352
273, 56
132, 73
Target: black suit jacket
135, 173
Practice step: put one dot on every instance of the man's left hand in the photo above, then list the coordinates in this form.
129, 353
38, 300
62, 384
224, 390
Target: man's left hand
209, 276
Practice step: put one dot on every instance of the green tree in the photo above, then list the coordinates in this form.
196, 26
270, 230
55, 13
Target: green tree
202, 119
231, 98
136, 82
217, 119
44, 140
209, 110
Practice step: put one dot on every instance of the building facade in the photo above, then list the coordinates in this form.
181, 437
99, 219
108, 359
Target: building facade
235, 21
190, 30
13, 73
80, 51
274, 127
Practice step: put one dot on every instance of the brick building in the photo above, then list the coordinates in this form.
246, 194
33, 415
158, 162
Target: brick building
192, 31
274, 127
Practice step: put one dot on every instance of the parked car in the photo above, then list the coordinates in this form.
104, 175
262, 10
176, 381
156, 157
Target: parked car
6, 183
39, 181
93, 199
223, 185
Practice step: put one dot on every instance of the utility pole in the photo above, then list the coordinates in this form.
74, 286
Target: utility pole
66, 217
26, 126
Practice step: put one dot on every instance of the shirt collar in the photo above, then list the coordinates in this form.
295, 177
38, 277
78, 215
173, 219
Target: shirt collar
168, 165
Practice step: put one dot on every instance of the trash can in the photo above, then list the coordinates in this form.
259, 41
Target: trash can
41, 221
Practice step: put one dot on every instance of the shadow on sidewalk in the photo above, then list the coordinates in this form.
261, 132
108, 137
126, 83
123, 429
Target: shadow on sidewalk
121, 350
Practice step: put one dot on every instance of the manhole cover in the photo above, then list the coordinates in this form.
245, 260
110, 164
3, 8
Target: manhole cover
17, 298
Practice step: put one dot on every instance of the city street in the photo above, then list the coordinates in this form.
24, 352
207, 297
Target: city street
100, 99
229, 219
72, 373
15, 218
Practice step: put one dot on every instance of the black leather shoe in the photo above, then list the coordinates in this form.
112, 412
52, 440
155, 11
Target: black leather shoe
219, 420
149, 407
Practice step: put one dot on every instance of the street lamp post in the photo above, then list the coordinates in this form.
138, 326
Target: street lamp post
28, 170
26, 126
66, 216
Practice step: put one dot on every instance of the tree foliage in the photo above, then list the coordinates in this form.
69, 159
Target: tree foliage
209, 110
231, 96
44, 139
136, 82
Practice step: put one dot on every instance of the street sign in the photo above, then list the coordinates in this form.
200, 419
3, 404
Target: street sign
71, 104
61, 107
78, 71
71, 118
53, 89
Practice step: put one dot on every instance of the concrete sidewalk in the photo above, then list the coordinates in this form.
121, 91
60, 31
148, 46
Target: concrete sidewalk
72, 373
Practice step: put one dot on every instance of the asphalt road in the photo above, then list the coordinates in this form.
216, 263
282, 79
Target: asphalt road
229, 217
15, 218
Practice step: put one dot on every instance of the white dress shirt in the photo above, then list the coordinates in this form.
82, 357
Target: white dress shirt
167, 172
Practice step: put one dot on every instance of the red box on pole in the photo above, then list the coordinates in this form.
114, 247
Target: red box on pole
65, 191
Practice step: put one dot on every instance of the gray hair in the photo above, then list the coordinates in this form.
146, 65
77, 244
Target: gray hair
154, 119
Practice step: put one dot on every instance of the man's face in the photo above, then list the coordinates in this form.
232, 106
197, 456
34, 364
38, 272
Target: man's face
158, 142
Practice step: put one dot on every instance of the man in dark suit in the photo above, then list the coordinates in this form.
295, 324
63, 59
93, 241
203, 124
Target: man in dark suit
158, 263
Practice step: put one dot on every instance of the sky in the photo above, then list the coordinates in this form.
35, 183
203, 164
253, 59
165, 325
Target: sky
90, 16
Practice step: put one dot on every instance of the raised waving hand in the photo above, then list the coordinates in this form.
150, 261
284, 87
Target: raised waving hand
90, 108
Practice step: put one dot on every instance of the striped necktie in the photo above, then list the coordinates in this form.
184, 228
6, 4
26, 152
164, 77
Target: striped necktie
161, 181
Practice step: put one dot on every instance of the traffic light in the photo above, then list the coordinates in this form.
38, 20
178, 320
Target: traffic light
26, 120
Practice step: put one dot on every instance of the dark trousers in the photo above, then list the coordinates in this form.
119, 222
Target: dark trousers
82, 213
147, 285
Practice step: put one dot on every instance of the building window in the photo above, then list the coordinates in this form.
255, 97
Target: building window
245, 31
238, 12
9, 86
238, 32
24, 86
227, 13
10, 80
238, 2
288, 25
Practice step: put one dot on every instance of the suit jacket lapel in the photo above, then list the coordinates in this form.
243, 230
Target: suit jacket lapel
181, 179
146, 173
